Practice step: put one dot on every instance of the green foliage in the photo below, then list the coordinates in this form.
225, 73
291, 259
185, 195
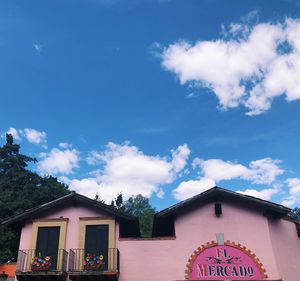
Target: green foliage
21, 189
118, 202
140, 207
295, 214
11, 161
97, 198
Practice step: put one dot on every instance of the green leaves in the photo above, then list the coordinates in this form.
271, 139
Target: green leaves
21, 189
140, 207
295, 214
118, 202
11, 161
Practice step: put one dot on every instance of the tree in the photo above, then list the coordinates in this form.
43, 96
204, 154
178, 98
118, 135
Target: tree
140, 207
97, 198
21, 189
118, 202
295, 214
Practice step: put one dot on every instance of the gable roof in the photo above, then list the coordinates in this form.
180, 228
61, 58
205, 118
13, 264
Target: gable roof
71, 197
215, 194
218, 193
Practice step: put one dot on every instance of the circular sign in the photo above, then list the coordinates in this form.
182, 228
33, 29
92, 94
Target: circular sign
224, 262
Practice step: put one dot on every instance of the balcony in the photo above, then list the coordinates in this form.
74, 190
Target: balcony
88, 265
31, 265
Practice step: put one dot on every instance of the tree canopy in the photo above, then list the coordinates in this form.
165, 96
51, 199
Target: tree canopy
118, 202
295, 214
140, 207
21, 189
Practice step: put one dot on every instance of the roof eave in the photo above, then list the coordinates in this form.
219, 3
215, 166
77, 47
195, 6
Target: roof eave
217, 191
72, 196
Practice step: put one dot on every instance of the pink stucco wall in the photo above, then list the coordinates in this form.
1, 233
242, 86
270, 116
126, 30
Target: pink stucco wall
73, 214
286, 246
25, 238
72, 236
165, 259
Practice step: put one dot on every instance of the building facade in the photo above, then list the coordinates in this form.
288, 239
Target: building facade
216, 235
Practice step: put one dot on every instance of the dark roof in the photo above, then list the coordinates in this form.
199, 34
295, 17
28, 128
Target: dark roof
165, 218
72, 197
218, 193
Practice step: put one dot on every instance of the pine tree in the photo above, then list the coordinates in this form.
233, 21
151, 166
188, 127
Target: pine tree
21, 189
118, 202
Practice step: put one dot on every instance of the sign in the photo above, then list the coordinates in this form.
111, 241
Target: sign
226, 262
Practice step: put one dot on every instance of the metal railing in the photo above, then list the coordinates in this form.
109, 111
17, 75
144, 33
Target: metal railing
89, 260
32, 261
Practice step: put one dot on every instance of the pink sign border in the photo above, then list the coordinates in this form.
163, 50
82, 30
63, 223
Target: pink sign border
244, 249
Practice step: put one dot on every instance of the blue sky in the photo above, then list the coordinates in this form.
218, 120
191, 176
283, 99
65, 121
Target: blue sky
161, 97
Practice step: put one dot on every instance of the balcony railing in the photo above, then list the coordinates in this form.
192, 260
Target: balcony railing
35, 262
88, 260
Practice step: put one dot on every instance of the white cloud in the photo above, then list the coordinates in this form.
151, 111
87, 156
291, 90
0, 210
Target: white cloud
88, 187
64, 179
34, 136
212, 171
65, 145
59, 161
14, 132
94, 157
250, 67
265, 194
218, 169
31, 135
294, 192
290, 201
263, 171
127, 169
37, 47
180, 156
160, 193
294, 185
192, 187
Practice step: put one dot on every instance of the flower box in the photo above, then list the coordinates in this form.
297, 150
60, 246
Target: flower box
40, 263
93, 262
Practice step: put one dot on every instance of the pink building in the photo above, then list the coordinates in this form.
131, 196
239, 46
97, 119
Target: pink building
216, 235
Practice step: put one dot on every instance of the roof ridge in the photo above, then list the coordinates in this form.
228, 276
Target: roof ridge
48, 205
185, 202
